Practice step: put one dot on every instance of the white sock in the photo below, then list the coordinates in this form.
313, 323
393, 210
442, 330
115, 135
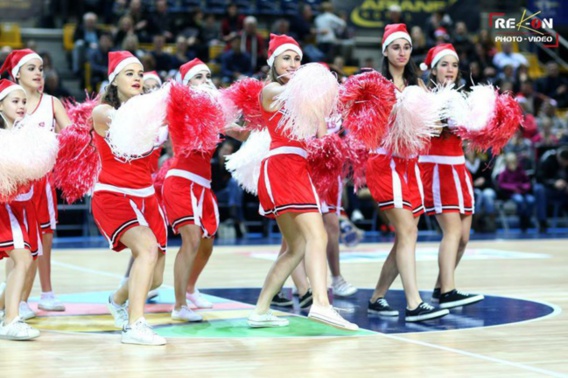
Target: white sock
47, 294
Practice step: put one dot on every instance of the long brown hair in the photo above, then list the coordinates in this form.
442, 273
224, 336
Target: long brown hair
110, 96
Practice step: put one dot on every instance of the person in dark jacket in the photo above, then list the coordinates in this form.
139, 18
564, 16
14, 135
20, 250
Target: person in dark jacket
553, 178
515, 184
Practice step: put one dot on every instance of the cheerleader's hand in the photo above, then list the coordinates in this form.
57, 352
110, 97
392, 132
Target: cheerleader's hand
436, 131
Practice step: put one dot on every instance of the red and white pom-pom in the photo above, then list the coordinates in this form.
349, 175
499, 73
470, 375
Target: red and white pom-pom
160, 178
505, 119
244, 164
134, 127
326, 160
481, 101
27, 153
308, 99
78, 164
366, 101
244, 95
452, 104
357, 156
195, 120
414, 120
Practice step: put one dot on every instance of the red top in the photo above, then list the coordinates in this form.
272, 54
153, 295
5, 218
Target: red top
198, 163
136, 174
279, 139
447, 144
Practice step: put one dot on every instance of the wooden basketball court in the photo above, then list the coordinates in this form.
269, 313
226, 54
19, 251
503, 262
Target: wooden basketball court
80, 343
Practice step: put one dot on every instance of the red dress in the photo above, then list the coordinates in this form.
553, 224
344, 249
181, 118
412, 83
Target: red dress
284, 185
187, 194
124, 197
18, 225
447, 182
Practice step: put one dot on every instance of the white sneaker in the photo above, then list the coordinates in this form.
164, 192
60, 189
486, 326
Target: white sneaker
342, 288
25, 311
17, 330
186, 314
152, 294
50, 304
198, 300
357, 215
141, 333
119, 313
330, 316
267, 319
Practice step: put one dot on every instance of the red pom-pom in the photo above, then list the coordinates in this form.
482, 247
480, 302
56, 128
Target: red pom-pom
505, 121
366, 102
326, 157
160, 178
78, 163
245, 94
357, 157
195, 120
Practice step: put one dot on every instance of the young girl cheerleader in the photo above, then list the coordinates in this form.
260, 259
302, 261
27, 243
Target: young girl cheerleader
286, 193
448, 191
26, 68
124, 203
395, 184
19, 234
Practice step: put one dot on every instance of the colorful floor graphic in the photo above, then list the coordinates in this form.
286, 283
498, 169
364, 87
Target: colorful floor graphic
87, 312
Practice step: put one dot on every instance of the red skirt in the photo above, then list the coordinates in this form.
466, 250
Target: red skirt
18, 227
45, 202
395, 183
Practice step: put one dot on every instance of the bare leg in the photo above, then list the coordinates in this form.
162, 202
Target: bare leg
299, 276
29, 283
22, 261
203, 254
191, 237
44, 263
331, 223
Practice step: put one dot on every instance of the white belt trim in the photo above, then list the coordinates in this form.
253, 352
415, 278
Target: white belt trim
437, 159
144, 192
382, 151
199, 180
25, 196
288, 150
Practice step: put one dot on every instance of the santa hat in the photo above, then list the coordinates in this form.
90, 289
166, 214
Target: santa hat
7, 86
436, 53
280, 43
16, 59
440, 32
152, 75
117, 60
191, 68
394, 32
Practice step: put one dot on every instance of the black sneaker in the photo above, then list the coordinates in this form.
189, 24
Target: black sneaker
306, 300
424, 311
281, 301
436, 295
456, 298
381, 307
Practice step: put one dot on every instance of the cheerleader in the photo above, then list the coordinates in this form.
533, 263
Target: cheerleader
286, 193
394, 182
191, 208
452, 202
19, 234
125, 207
26, 68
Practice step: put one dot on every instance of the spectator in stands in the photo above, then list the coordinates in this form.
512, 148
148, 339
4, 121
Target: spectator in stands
302, 26
235, 64
441, 36
394, 16
253, 43
514, 184
162, 58
149, 62
119, 9
548, 110
545, 136
553, 175
461, 40
98, 60
337, 66
47, 63
508, 57
553, 85
487, 42
368, 63
527, 97
281, 26
485, 61
419, 45
182, 54
125, 29
211, 33
85, 38
523, 148
226, 188
232, 23
192, 30
328, 25
484, 193
137, 12
131, 44
438, 19
53, 85
507, 74
161, 21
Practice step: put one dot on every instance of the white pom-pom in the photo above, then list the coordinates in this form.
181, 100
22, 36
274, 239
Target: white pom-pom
481, 103
423, 66
134, 127
244, 164
27, 153
308, 99
452, 105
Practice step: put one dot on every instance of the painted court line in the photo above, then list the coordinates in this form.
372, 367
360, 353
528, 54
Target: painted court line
479, 356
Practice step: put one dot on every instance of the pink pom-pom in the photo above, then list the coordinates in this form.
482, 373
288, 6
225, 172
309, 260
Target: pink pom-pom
357, 157
505, 120
160, 178
78, 164
195, 120
366, 102
326, 159
245, 95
